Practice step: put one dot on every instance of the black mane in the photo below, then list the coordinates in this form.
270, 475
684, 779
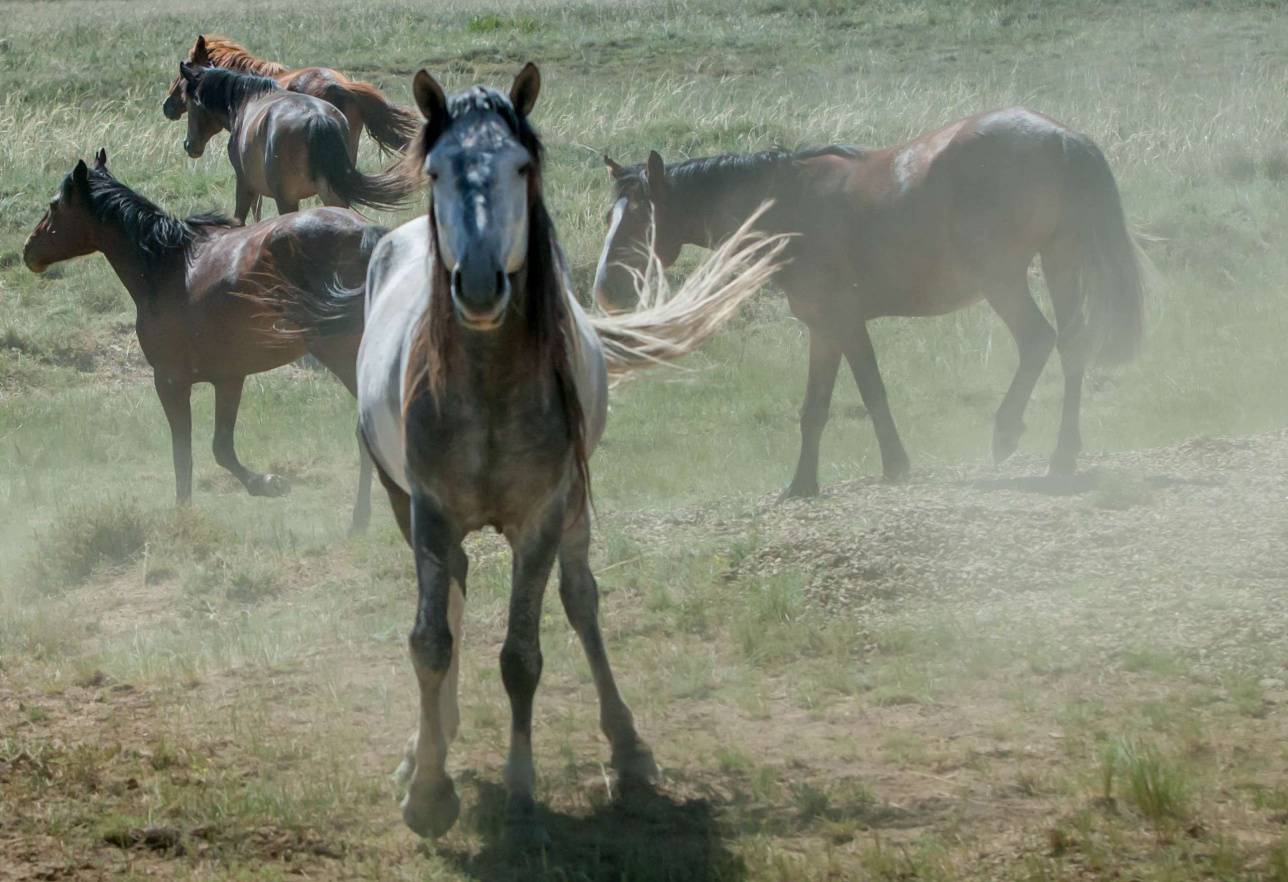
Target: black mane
729, 169
153, 232
222, 91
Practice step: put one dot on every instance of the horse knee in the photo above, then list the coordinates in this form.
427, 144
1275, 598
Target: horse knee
520, 669
431, 647
814, 417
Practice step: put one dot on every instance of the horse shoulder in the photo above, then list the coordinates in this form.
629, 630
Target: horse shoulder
397, 296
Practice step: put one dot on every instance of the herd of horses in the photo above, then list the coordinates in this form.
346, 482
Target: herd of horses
482, 383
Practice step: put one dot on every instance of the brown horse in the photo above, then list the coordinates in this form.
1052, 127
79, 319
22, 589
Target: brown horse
208, 297
362, 104
286, 145
920, 229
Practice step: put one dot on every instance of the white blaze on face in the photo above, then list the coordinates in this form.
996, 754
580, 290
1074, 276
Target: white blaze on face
615, 221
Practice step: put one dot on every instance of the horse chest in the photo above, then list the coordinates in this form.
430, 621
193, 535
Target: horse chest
490, 463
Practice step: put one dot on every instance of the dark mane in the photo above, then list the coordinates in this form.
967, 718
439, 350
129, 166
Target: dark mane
222, 91
730, 169
546, 316
155, 233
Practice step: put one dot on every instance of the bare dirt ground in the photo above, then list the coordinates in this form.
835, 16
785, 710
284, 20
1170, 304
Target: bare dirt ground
937, 699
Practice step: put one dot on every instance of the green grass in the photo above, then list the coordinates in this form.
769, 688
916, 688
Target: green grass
237, 672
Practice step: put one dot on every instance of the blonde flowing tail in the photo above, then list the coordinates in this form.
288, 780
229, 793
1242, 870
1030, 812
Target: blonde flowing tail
666, 326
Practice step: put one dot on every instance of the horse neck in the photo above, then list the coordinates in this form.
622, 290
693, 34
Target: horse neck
143, 278
503, 359
709, 207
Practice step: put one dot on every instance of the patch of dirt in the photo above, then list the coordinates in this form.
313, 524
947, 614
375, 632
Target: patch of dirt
1173, 535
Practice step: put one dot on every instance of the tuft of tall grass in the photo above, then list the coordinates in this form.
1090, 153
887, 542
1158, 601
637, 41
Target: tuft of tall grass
1153, 784
85, 539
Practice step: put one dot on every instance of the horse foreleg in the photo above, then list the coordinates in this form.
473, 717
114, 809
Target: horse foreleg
534, 552
175, 398
632, 758
863, 364
1034, 338
824, 362
227, 402
431, 805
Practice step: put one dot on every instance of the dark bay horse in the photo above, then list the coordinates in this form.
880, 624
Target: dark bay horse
286, 145
920, 229
362, 104
205, 292
483, 390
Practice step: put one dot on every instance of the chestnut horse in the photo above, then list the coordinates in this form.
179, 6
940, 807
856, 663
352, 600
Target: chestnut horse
209, 296
920, 229
361, 103
286, 145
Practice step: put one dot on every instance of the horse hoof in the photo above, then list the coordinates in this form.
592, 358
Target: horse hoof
1005, 443
896, 472
431, 816
798, 491
269, 485
636, 766
1063, 465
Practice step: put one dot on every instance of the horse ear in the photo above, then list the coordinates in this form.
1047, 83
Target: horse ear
616, 169
187, 71
656, 172
429, 96
80, 176
200, 53
527, 85
100, 159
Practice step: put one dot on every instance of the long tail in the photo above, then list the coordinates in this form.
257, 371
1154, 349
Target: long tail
321, 310
329, 160
1109, 262
667, 326
391, 126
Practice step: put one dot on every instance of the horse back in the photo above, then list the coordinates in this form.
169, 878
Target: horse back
928, 225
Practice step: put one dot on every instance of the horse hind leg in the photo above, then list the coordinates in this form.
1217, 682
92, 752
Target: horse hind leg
227, 402
1034, 338
339, 356
1071, 324
632, 759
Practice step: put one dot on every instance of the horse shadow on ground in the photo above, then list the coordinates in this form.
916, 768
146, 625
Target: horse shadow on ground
642, 835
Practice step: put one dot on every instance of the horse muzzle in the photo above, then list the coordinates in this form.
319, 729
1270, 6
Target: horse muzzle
193, 151
480, 297
34, 263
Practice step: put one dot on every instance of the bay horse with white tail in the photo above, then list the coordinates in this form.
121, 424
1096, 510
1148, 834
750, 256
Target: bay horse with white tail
286, 145
209, 296
921, 229
482, 392
363, 105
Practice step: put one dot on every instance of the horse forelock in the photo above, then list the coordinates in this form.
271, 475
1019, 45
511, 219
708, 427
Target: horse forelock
473, 102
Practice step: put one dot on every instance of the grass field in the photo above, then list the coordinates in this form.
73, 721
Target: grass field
220, 694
